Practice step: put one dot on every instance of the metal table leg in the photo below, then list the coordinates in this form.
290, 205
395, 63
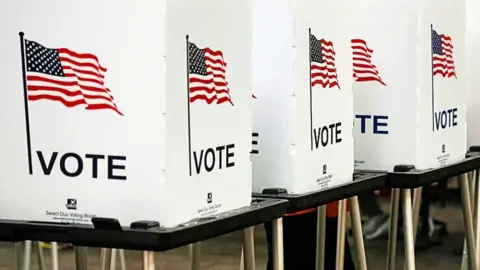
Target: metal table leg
468, 223
476, 214
471, 189
54, 255
122, 259
392, 234
104, 258
464, 265
113, 259
40, 257
321, 226
249, 248
148, 260
81, 258
195, 251
278, 244
27, 255
409, 242
242, 264
342, 208
417, 201
358, 233
17, 250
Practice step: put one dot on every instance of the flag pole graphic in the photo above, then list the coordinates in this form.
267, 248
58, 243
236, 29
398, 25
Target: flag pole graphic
310, 78
433, 91
25, 97
188, 109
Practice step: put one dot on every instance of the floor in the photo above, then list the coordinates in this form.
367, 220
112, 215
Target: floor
223, 253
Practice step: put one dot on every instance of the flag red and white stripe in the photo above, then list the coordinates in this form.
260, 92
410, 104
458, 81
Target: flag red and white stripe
324, 73
442, 56
363, 68
79, 80
208, 76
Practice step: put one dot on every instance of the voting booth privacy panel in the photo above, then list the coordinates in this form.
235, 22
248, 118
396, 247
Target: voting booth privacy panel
409, 72
144, 116
473, 67
303, 114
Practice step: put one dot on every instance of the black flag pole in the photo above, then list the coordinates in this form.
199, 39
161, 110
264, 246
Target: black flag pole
433, 91
310, 79
188, 108
25, 97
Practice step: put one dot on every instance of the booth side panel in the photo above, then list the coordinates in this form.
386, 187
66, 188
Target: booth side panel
95, 103
473, 65
323, 95
442, 82
385, 88
273, 75
208, 108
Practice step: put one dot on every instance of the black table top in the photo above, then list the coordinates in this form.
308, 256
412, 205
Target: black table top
413, 178
363, 181
154, 239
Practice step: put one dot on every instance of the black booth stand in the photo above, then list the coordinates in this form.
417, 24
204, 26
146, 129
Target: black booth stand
148, 236
403, 179
363, 181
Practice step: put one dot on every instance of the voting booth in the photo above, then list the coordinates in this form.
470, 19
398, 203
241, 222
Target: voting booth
409, 83
473, 66
302, 80
137, 112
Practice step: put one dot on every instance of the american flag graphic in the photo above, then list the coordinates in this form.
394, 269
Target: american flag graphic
363, 68
207, 75
71, 78
442, 55
322, 63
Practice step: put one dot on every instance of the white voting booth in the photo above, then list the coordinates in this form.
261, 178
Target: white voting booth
473, 67
473, 102
409, 72
303, 114
138, 112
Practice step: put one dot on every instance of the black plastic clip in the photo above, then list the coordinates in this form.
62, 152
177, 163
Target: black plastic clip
475, 148
144, 225
100, 223
403, 168
274, 191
